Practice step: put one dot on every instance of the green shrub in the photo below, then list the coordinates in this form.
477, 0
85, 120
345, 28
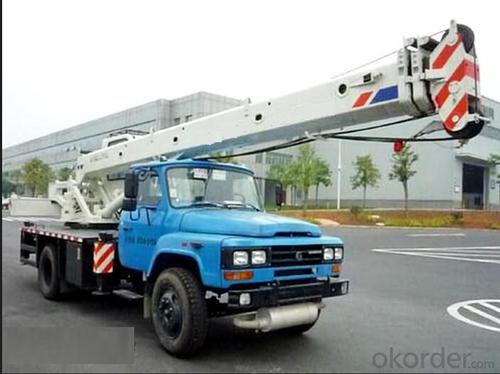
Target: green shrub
356, 210
458, 217
424, 222
310, 220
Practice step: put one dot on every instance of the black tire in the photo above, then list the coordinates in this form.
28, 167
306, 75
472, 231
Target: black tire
48, 273
179, 312
467, 36
300, 329
469, 131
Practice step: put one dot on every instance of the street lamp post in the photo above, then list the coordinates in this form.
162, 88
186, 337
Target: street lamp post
339, 172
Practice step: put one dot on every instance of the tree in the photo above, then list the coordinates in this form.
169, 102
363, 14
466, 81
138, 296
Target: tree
367, 174
280, 173
11, 182
37, 175
221, 157
308, 170
494, 164
16, 176
64, 174
401, 169
302, 168
322, 175
7, 186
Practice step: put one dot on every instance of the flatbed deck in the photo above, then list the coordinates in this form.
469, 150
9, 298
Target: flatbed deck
59, 230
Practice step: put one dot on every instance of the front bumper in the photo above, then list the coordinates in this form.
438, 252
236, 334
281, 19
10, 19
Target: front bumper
281, 293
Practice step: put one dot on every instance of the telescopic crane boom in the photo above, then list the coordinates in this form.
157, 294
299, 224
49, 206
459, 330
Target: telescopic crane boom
429, 77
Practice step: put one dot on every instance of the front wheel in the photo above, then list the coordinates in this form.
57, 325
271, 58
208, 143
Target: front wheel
179, 312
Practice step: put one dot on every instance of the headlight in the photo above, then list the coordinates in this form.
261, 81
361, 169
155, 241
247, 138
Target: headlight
339, 253
240, 258
328, 254
258, 257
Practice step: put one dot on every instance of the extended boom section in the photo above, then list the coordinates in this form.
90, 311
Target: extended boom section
429, 77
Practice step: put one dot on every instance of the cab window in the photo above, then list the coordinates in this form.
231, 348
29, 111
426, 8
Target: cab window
149, 191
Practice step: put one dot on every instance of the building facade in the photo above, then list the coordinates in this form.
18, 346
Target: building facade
448, 176
61, 149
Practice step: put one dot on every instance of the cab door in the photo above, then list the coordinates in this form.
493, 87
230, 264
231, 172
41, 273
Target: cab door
139, 230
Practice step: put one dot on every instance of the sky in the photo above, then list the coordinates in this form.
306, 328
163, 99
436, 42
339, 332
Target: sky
71, 61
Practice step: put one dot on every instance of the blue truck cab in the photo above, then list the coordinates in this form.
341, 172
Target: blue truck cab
205, 220
194, 241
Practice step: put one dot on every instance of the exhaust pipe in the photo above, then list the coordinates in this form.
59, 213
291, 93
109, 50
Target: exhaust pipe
268, 319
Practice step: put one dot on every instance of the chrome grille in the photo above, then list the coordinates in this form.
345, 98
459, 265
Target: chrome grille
296, 255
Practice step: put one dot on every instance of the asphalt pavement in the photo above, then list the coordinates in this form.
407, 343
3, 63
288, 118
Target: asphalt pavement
402, 313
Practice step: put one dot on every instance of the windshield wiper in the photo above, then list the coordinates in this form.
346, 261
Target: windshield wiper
207, 203
252, 206
225, 204
240, 203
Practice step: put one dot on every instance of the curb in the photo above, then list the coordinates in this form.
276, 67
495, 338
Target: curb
413, 228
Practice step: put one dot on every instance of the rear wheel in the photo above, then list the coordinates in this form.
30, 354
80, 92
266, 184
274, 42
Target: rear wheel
179, 312
48, 273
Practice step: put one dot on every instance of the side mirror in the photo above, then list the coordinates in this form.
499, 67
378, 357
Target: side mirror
129, 204
131, 185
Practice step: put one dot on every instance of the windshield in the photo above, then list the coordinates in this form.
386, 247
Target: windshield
189, 187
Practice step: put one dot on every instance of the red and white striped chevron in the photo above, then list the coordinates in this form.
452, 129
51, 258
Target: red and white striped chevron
104, 255
451, 95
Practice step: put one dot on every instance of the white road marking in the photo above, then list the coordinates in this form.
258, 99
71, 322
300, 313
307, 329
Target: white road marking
481, 313
468, 254
491, 306
471, 254
454, 311
435, 235
434, 248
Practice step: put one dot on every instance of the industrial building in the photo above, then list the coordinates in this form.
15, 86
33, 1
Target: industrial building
439, 182
60, 149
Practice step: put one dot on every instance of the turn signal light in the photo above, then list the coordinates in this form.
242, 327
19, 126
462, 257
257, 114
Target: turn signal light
336, 268
238, 275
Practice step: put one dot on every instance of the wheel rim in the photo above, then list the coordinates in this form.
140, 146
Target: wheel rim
47, 271
170, 313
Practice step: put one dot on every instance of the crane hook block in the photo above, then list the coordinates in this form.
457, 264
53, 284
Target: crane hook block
456, 96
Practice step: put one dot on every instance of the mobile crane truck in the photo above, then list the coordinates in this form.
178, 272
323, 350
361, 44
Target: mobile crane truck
154, 214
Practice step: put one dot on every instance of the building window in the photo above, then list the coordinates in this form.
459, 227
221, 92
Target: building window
177, 120
488, 112
258, 158
189, 117
274, 158
298, 193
